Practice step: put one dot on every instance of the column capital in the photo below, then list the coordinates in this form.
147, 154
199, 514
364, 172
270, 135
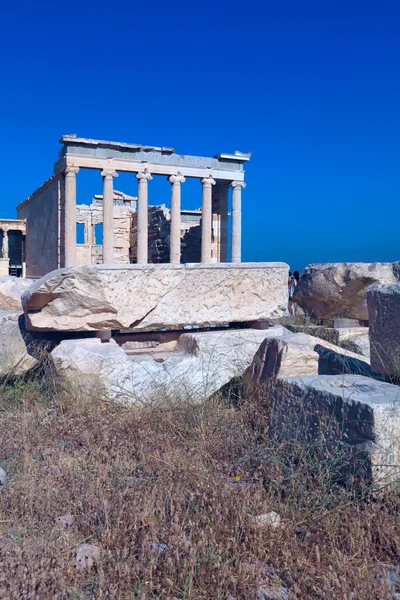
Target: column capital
208, 181
143, 175
238, 184
177, 179
69, 170
108, 173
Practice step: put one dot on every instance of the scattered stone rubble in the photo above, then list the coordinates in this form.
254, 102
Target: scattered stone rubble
316, 383
299, 354
353, 337
201, 364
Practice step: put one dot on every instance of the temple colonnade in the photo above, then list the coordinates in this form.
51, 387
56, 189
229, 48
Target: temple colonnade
176, 181
217, 175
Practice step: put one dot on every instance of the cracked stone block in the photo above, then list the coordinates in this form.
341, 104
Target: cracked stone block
140, 297
202, 363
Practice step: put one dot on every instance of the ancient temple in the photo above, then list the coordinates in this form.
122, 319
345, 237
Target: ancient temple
61, 231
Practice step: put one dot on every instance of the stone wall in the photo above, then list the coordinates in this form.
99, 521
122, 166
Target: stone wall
42, 211
159, 235
91, 251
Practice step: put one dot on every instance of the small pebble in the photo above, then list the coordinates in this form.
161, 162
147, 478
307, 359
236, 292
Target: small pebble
238, 483
50, 468
269, 593
85, 556
130, 481
3, 477
271, 519
65, 521
157, 547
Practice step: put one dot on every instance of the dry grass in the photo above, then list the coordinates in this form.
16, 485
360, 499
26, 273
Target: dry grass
185, 476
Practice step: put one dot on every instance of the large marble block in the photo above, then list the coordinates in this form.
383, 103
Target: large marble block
294, 354
137, 297
384, 328
201, 364
340, 289
350, 420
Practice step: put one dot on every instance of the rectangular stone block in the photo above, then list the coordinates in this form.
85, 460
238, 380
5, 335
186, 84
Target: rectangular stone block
147, 297
341, 323
4, 267
384, 328
353, 420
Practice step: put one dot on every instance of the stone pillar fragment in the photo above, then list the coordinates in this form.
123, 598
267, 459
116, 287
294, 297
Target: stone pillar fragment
142, 217
206, 220
108, 217
175, 226
70, 216
237, 221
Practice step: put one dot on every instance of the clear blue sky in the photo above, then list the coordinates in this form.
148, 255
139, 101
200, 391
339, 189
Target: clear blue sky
312, 89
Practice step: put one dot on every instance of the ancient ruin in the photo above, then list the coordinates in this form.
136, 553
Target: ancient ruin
115, 322
131, 231
12, 247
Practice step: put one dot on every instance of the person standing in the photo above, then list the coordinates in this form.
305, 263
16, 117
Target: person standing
292, 283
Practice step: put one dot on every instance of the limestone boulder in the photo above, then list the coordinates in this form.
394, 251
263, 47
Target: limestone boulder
384, 328
140, 297
17, 346
340, 289
354, 420
201, 364
300, 354
11, 291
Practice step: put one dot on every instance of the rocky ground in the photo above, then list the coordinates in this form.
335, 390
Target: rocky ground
100, 500
242, 460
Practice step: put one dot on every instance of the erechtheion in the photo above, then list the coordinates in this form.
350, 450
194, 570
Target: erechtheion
52, 212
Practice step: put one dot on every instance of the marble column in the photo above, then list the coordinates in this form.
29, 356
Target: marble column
4, 247
237, 221
108, 217
142, 217
175, 226
206, 219
70, 216
220, 209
